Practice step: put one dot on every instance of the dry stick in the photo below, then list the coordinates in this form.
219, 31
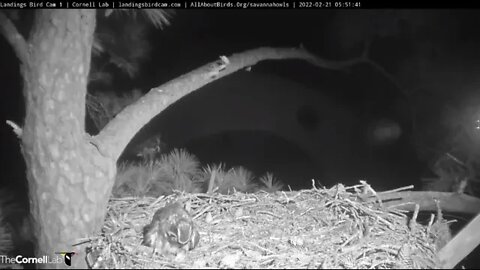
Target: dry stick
395, 190
413, 221
430, 223
202, 212
461, 245
210, 183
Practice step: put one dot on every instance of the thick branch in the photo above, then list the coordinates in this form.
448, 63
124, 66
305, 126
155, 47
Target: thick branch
115, 136
10, 32
449, 202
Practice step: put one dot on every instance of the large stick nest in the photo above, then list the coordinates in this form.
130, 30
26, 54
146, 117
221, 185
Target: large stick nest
316, 228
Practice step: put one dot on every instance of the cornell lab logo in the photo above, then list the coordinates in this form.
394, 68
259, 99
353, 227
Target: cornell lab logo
67, 257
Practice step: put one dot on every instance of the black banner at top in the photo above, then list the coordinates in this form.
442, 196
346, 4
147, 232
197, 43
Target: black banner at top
211, 4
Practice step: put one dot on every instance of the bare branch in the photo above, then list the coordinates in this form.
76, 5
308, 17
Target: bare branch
10, 32
16, 129
115, 136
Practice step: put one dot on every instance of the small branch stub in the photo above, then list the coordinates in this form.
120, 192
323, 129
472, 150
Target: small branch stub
16, 129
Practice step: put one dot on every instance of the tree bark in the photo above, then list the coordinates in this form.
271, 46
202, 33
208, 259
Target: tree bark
69, 181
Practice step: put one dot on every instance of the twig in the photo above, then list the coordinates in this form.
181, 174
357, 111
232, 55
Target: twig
398, 205
210, 183
413, 221
395, 190
439, 211
286, 197
158, 200
202, 212
430, 223
268, 213
367, 188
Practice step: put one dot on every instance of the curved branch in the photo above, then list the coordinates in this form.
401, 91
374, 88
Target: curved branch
117, 133
10, 32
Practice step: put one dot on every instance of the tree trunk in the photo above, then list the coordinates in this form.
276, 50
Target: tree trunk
69, 180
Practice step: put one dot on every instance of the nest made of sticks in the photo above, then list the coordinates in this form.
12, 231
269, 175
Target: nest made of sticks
315, 228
